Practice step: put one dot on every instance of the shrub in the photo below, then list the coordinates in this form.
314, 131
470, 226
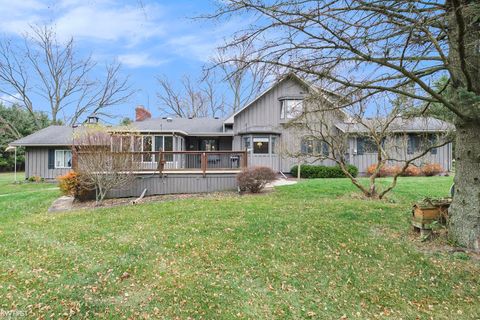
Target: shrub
412, 171
385, 171
431, 169
70, 185
390, 171
36, 179
382, 173
254, 179
313, 171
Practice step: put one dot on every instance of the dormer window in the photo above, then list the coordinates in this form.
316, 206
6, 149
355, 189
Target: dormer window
291, 108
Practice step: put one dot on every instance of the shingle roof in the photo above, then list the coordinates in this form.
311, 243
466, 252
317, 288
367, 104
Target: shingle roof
62, 135
186, 125
49, 136
418, 124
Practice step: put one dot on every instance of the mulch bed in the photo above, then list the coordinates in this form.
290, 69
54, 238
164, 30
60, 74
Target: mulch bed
107, 203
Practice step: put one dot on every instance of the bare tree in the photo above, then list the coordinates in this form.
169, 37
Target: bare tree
214, 99
112, 90
382, 46
192, 100
52, 70
103, 161
384, 135
245, 80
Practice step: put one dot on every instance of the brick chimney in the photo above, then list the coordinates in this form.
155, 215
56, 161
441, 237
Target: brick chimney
141, 113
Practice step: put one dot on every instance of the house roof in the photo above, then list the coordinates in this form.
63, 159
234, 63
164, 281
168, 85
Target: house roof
49, 136
63, 135
186, 126
417, 124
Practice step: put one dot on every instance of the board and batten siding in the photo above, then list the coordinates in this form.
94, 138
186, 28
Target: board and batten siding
176, 183
265, 112
362, 162
36, 163
264, 115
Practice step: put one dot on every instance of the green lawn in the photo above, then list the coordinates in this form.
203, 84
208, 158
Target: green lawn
8, 186
312, 250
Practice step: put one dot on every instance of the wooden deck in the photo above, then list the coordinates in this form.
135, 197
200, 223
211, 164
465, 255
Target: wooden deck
169, 162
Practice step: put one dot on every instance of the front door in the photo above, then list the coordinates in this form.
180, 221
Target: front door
262, 151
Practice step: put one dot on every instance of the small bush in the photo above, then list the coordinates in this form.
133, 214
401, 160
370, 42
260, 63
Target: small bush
412, 171
313, 171
382, 173
385, 171
70, 185
390, 171
36, 179
431, 169
254, 179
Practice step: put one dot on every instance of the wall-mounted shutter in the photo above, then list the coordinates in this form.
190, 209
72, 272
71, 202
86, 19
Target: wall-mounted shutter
51, 158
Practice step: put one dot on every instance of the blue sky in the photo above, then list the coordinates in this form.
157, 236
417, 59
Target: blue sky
150, 38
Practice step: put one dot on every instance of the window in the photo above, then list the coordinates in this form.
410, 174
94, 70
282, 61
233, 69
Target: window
261, 145
307, 146
164, 143
168, 143
208, 145
366, 145
158, 143
310, 146
273, 141
414, 143
291, 109
246, 143
432, 140
137, 143
168, 146
147, 146
63, 159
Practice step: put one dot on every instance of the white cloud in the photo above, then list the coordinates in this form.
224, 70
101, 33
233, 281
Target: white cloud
201, 41
137, 60
18, 15
127, 23
99, 20
113, 28
8, 100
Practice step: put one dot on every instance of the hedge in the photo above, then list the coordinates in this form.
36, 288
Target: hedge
312, 171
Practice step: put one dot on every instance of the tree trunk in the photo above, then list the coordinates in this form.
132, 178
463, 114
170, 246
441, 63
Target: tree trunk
464, 212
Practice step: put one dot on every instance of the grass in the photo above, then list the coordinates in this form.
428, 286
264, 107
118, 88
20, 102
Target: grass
311, 250
7, 185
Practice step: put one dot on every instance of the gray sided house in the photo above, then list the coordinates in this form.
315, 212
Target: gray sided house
182, 155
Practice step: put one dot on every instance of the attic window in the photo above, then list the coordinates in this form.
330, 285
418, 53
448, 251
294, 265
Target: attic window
291, 109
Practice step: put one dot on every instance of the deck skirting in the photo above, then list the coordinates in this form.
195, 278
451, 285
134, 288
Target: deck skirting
177, 183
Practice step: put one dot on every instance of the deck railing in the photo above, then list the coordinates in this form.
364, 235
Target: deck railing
171, 161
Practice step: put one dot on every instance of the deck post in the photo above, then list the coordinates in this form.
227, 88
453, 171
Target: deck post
161, 162
245, 159
204, 163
